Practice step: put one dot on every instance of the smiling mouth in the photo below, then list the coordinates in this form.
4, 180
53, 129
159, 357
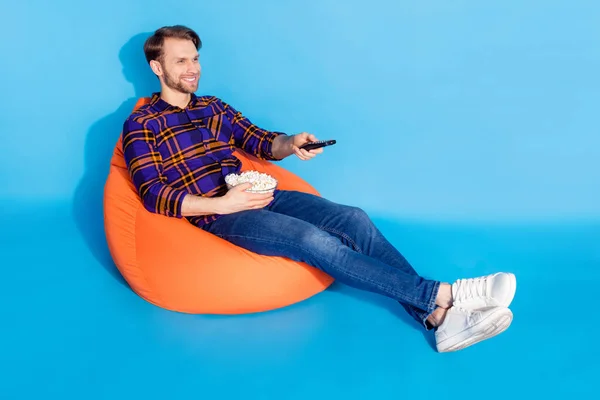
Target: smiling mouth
190, 80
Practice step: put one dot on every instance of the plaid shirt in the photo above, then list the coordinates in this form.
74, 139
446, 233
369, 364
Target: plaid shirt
171, 152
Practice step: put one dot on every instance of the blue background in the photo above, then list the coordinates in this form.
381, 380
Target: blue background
467, 129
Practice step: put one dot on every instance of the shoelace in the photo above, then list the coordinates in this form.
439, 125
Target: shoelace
467, 289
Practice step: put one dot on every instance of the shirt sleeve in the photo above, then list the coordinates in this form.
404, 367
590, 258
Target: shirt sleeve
249, 137
145, 166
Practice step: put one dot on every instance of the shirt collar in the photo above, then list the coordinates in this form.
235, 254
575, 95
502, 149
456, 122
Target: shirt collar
160, 105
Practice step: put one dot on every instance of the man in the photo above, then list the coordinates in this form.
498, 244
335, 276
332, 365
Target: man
178, 149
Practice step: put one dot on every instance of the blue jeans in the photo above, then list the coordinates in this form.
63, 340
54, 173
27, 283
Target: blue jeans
338, 239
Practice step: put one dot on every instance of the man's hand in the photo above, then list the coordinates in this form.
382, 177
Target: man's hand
237, 199
301, 139
285, 146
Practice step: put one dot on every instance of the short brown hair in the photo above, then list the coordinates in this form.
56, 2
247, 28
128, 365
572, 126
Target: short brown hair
154, 44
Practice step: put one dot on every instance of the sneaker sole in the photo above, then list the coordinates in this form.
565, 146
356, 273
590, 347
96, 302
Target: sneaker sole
494, 324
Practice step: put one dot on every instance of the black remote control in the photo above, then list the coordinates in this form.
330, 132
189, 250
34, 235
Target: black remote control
317, 144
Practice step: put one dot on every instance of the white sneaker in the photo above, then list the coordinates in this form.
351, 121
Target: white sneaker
462, 328
496, 290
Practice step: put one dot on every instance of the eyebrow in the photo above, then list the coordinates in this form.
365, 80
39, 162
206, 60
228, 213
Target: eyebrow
184, 58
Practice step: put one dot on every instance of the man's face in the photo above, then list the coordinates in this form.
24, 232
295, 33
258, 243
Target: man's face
180, 65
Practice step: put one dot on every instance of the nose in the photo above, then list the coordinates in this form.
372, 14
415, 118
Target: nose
193, 67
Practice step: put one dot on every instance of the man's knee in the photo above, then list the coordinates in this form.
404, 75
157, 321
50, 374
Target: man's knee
356, 215
316, 240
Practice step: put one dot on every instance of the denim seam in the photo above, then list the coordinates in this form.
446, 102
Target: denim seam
433, 297
342, 234
432, 306
358, 250
399, 296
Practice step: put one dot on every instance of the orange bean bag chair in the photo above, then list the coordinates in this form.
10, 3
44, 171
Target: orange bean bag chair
177, 266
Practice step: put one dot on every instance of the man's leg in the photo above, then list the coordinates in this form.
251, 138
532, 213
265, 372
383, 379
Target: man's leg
471, 309
274, 234
352, 226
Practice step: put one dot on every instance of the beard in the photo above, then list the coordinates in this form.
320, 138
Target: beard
179, 85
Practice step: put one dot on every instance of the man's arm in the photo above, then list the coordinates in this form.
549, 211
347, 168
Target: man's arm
145, 166
268, 145
193, 206
282, 147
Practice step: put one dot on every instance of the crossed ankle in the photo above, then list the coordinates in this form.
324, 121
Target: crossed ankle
444, 296
436, 318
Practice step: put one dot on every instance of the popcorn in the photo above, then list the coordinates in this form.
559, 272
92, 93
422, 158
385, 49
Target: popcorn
261, 182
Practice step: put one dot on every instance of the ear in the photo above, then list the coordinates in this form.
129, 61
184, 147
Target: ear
156, 67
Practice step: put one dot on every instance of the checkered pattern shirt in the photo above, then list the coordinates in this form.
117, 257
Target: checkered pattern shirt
170, 151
